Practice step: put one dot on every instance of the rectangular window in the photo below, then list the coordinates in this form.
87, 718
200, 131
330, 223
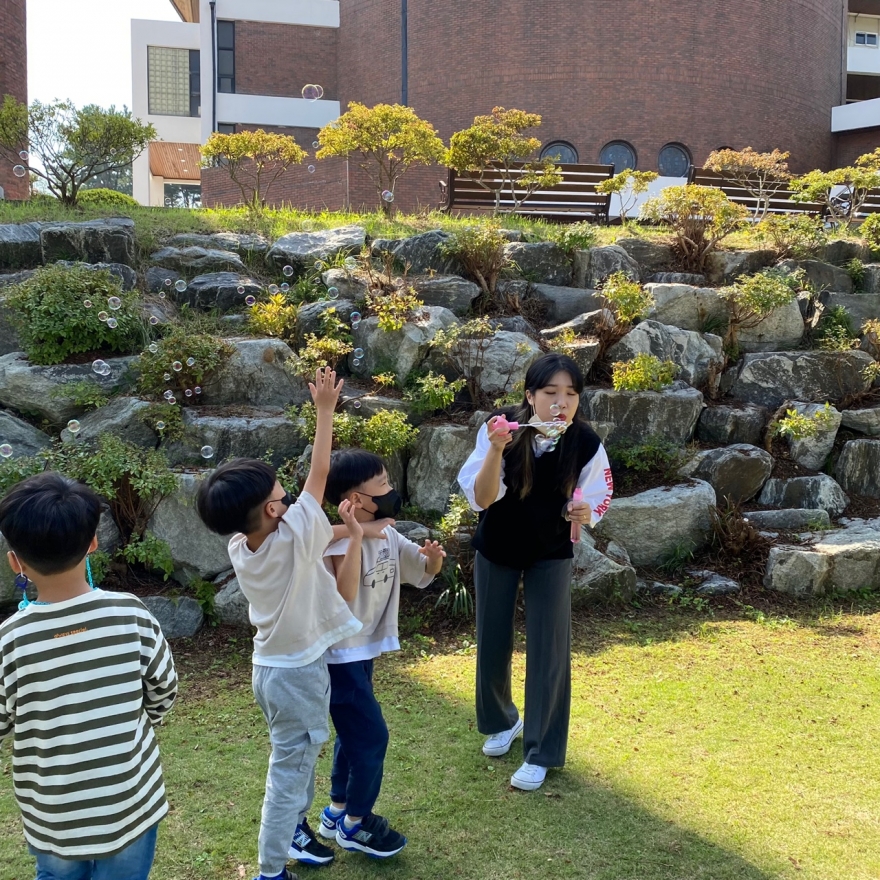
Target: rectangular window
866, 39
226, 56
195, 83
183, 195
168, 81
226, 127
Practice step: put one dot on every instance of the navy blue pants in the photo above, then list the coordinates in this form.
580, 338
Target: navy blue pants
361, 737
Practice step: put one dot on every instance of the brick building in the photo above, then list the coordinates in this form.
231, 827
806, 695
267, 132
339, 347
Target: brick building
652, 84
13, 80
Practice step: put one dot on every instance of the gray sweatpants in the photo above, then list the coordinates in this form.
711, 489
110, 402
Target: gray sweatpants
547, 589
295, 703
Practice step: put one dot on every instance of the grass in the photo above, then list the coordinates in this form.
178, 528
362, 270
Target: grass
732, 744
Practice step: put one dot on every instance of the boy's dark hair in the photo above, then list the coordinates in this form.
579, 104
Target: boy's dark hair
231, 498
49, 521
348, 469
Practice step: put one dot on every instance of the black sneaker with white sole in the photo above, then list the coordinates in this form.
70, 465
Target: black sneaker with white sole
306, 848
371, 836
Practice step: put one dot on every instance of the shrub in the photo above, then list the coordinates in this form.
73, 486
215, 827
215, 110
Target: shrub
105, 198
654, 454
206, 595
151, 552
871, 334
54, 322
699, 216
456, 528
277, 317
480, 250
796, 236
753, 297
393, 307
870, 230
834, 332
197, 355
632, 183
83, 393
855, 268
627, 299
430, 392
644, 372
762, 175
384, 433
385, 380
318, 351
14, 470
798, 426
99, 563
573, 237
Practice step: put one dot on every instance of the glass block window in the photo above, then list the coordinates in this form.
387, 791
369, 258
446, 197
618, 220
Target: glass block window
168, 81
620, 154
674, 161
560, 151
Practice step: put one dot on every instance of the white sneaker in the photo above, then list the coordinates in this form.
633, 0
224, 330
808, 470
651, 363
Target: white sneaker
499, 743
529, 777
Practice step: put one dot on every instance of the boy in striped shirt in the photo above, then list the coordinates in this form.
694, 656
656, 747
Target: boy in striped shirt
84, 676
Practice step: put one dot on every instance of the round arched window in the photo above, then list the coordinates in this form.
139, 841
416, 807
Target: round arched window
560, 151
620, 154
674, 161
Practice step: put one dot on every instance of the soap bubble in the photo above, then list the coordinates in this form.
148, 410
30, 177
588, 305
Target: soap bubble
190, 361
197, 390
5, 451
98, 366
112, 323
188, 392
177, 366
172, 400
168, 282
180, 285
287, 271
399, 282
355, 317
311, 169
319, 265
285, 287
315, 145
312, 92
273, 289
114, 303
168, 395
23, 155
87, 303
160, 426
356, 362
240, 290
154, 320
357, 404
332, 292
152, 347
103, 316
161, 294
167, 377
73, 426
249, 300
207, 451
554, 409
350, 263
19, 171
387, 196
358, 352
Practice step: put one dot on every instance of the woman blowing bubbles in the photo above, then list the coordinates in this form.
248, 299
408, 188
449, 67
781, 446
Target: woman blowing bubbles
524, 481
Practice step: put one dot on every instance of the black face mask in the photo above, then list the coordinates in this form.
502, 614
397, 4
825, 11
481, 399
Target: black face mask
388, 505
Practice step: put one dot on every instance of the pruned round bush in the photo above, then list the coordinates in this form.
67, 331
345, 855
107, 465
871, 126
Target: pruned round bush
870, 230
644, 372
101, 197
54, 322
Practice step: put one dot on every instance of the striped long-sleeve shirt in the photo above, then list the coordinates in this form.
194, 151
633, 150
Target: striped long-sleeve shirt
81, 684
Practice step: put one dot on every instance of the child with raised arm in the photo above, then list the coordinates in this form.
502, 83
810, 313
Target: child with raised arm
277, 553
524, 482
84, 676
369, 580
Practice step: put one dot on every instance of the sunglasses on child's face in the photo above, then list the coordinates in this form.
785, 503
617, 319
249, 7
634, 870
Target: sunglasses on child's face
286, 499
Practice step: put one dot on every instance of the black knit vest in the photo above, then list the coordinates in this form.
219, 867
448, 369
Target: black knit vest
518, 532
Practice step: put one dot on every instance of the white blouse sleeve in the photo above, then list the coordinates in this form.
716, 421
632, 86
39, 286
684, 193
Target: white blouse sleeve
467, 476
596, 484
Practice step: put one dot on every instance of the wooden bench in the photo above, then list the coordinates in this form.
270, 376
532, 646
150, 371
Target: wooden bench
573, 198
781, 203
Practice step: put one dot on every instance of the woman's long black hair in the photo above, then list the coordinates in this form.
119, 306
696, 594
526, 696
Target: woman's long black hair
519, 456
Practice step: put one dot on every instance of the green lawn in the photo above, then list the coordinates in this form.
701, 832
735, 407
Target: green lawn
725, 745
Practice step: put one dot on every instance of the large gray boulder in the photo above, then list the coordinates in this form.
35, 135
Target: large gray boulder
178, 618
125, 275
727, 266
310, 316
449, 291
196, 260
791, 520
156, 276
245, 244
123, 417
399, 351
542, 262
841, 560
863, 421
197, 552
769, 379
860, 307
732, 424
811, 452
505, 362
437, 456
871, 278
858, 467
110, 240
841, 250
23, 437
652, 256
687, 307
586, 324
20, 245
42, 391
302, 249
593, 266
562, 304
244, 432
255, 375
230, 604
658, 522
696, 354
635, 415
423, 253
217, 290
781, 330
819, 492
598, 576
822, 276
735, 472
348, 285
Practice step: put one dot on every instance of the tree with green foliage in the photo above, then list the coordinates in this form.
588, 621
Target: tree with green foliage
761, 175
387, 139
842, 191
499, 143
254, 160
70, 146
628, 185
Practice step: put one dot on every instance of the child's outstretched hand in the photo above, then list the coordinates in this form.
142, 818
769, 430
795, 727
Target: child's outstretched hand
325, 390
499, 432
435, 554
346, 511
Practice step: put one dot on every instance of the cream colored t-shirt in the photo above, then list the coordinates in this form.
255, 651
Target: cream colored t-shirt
294, 603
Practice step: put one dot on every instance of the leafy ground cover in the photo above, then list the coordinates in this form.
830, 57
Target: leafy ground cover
728, 742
